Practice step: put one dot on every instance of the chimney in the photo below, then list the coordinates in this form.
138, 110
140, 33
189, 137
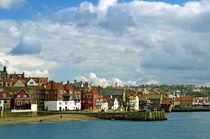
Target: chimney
5, 69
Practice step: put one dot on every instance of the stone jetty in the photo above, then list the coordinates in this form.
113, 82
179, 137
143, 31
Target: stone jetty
134, 116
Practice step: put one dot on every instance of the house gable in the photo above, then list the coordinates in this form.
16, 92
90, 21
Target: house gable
19, 83
21, 93
31, 82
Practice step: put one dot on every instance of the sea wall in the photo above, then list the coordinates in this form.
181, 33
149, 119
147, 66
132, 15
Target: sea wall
19, 114
134, 116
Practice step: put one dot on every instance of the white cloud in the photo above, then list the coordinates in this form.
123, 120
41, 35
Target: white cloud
93, 78
14, 31
148, 40
105, 4
32, 66
152, 82
7, 4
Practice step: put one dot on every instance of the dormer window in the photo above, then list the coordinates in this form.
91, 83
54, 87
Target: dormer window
18, 96
24, 96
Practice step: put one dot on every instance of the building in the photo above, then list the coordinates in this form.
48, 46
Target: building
184, 102
91, 99
61, 97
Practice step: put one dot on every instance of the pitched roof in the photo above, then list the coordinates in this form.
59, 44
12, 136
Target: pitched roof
117, 87
20, 90
53, 86
187, 98
38, 79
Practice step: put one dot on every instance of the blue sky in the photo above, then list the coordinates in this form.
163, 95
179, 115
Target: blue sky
107, 41
33, 7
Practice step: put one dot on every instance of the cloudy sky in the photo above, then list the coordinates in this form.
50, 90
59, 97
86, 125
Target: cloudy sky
108, 41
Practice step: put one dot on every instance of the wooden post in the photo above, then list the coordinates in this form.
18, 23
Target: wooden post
2, 113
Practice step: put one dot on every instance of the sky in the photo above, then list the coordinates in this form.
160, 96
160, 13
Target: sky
128, 42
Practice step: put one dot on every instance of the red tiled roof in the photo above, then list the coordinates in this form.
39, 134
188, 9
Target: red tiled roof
188, 98
108, 100
117, 87
43, 79
94, 92
23, 80
53, 85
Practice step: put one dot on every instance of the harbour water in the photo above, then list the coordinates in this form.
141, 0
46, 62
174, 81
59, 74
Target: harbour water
188, 125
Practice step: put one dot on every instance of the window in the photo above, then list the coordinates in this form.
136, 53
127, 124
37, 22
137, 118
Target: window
10, 93
60, 97
18, 96
4, 95
6, 101
19, 102
88, 96
24, 96
78, 96
60, 103
70, 92
83, 96
27, 102
65, 92
31, 83
66, 103
75, 96
61, 91
1, 90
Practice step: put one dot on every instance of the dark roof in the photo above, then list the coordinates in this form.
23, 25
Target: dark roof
26, 88
111, 92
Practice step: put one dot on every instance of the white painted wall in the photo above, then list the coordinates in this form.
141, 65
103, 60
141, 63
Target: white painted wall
105, 106
78, 105
33, 107
31, 82
2, 104
56, 105
136, 105
116, 104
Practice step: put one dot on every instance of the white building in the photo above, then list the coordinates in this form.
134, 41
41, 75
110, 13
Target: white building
116, 105
33, 109
62, 105
105, 106
2, 104
78, 106
134, 102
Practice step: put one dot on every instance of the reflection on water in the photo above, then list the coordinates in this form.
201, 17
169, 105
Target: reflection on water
179, 125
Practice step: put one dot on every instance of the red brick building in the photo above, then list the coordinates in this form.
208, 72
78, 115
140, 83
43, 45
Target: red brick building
91, 99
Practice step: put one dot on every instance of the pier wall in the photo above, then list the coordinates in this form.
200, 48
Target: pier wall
134, 116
